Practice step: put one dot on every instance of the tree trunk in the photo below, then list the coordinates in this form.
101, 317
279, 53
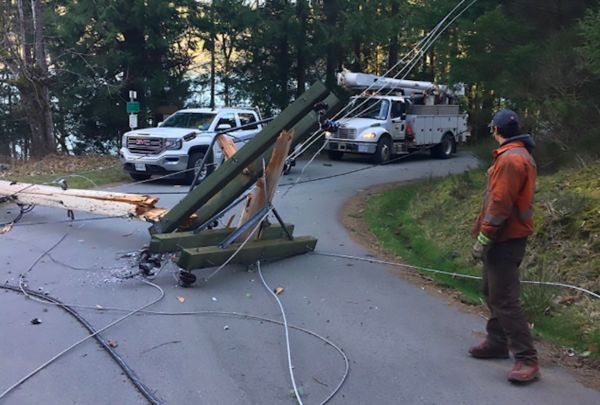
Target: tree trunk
331, 10
36, 101
301, 15
29, 68
212, 55
393, 48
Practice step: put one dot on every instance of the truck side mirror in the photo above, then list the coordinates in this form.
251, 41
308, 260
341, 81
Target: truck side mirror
159, 124
222, 127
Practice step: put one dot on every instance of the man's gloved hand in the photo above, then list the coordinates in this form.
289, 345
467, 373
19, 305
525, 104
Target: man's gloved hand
481, 246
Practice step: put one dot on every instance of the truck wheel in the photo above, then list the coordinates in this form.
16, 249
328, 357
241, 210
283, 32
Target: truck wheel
335, 154
140, 176
383, 153
444, 149
194, 162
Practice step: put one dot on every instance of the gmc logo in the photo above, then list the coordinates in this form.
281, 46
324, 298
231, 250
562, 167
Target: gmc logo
142, 142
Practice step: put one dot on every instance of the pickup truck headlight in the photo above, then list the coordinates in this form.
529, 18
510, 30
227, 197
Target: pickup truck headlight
172, 143
327, 134
369, 135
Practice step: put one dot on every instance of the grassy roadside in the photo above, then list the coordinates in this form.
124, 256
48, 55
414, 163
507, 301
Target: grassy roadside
428, 224
78, 171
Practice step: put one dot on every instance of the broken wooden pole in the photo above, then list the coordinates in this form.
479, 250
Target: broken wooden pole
92, 201
266, 185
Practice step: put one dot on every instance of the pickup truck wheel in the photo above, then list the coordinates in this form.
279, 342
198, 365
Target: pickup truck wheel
383, 153
140, 176
194, 162
444, 149
335, 154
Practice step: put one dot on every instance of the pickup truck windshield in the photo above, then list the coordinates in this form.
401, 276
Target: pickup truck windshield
199, 121
372, 108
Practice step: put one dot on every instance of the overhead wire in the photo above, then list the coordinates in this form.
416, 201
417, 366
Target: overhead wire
425, 43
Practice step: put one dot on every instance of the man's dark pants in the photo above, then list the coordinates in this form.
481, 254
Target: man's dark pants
507, 325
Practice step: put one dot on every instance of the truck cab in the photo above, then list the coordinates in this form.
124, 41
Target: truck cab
178, 145
376, 128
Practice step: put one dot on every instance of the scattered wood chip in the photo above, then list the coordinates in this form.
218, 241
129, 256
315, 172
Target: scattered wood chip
278, 290
36, 321
181, 300
113, 343
6, 228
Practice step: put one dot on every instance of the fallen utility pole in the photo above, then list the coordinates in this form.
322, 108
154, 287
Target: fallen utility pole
93, 201
259, 162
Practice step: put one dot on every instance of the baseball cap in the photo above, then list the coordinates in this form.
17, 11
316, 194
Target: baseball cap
505, 118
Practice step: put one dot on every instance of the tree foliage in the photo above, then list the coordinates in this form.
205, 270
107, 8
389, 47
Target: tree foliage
541, 57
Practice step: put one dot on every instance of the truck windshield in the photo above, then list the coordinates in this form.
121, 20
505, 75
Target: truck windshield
374, 108
199, 121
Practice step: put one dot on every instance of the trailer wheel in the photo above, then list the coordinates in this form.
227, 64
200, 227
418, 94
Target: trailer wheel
287, 166
186, 278
383, 153
194, 162
444, 149
139, 176
335, 154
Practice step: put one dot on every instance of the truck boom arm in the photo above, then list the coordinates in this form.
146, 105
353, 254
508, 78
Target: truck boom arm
361, 81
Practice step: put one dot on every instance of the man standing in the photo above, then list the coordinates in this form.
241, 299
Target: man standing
502, 229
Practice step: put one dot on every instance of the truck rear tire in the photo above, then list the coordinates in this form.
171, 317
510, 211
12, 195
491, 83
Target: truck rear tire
139, 176
335, 154
444, 149
194, 162
383, 153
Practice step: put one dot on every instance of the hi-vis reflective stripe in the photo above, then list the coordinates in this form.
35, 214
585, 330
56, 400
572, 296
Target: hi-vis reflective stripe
525, 215
496, 220
493, 220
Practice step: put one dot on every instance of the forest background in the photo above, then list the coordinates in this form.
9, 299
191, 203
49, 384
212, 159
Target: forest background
66, 67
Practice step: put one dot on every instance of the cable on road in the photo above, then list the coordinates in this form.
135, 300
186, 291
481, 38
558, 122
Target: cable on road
287, 333
129, 372
23, 289
449, 273
48, 300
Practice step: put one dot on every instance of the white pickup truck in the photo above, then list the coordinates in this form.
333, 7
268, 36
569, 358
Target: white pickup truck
181, 141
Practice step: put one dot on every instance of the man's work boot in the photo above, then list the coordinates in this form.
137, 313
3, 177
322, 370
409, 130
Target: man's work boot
524, 372
487, 351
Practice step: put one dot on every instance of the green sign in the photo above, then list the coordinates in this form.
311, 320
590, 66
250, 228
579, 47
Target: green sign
133, 107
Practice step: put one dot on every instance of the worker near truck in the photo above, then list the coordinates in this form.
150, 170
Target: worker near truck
504, 223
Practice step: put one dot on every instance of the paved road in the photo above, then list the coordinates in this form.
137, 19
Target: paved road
404, 345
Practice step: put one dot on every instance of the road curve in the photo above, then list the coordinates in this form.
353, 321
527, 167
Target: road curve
405, 346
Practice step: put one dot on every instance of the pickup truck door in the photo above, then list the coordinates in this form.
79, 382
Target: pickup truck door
249, 132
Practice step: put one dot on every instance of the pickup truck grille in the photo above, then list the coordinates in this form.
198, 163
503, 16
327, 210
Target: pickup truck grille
144, 145
346, 133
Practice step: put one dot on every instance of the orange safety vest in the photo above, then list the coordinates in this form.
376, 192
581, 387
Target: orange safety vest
507, 209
